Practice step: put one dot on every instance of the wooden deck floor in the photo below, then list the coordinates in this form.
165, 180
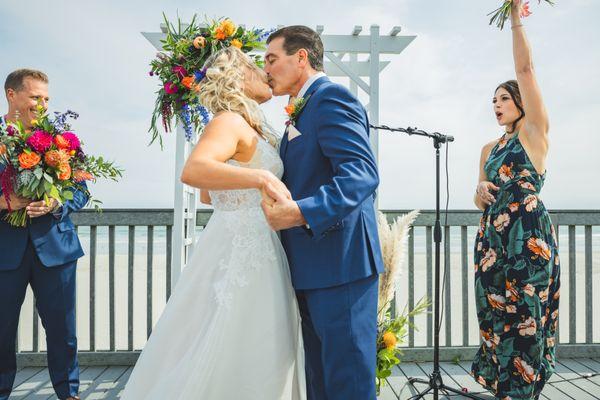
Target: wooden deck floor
108, 382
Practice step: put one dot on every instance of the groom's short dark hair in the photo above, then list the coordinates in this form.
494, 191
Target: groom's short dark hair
298, 37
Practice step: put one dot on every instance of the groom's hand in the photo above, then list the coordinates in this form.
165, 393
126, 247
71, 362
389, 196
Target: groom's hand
283, 212
39, 208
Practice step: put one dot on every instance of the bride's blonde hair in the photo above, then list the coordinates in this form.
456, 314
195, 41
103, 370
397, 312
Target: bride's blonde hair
222, 89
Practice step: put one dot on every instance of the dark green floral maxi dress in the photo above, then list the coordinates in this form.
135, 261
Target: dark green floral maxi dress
517, 279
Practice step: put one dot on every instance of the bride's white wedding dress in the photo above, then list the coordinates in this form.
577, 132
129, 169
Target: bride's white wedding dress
231, 329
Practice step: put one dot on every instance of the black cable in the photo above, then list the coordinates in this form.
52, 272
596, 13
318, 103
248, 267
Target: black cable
444, 279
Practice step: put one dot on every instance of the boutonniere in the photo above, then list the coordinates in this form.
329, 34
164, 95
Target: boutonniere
293, 110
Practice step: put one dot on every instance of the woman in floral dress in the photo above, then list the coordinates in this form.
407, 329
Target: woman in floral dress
517, 269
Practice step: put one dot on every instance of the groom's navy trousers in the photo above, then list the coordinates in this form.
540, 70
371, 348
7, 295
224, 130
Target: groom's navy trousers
335, 260
44, 255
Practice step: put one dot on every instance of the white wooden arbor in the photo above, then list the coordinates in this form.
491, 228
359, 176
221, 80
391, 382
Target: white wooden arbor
343, 58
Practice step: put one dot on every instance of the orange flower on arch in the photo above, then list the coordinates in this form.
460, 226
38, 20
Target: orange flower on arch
188, 81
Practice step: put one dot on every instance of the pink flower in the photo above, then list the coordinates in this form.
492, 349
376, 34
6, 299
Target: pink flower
40, 141
11, 131
525, 12
72, 139
179, 71
171, 88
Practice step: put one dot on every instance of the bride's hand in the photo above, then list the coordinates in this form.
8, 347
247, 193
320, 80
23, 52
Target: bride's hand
266, 178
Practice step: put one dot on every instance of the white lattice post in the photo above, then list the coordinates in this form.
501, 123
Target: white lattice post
185, 197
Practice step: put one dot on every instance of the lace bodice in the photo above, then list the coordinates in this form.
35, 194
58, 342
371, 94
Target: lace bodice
265, 157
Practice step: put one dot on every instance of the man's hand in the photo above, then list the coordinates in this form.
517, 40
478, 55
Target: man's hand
281, 211
39, 208
16, 202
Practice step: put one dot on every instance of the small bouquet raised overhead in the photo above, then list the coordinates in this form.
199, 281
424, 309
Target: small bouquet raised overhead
502, 13
393, 329
46, 162
180, 69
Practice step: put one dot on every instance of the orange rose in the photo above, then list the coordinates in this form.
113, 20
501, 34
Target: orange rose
236, 43
188, 81
80, 176
61, 142
199, 42
289, 109
64, 172
30, 160
389, 340
2, 149
54, 158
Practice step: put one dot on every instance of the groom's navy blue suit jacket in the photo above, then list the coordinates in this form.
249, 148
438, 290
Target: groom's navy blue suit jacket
332, 174
53, 236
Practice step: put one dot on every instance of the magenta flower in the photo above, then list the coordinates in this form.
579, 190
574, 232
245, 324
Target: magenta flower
11, 131
72, 139
171, 88
179, 71
40, 141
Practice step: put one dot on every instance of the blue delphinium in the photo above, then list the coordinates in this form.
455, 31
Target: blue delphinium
203, 113
60, 120
186, 119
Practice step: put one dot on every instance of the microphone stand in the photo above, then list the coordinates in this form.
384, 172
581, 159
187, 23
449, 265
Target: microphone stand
435, 382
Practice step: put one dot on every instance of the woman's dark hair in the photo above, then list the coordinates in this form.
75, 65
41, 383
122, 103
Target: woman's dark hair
512, 87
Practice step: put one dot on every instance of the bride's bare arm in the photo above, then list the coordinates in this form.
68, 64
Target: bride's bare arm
205, 197
206, 168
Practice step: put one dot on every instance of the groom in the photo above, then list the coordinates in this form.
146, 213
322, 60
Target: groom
329, 228
44, 255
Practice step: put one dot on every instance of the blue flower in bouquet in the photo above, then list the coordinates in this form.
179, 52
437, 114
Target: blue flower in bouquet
60, 120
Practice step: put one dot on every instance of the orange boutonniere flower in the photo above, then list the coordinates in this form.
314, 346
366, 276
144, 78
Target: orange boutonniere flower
29, 160
294, 109
289, 109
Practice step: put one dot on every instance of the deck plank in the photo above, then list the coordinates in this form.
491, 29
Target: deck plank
107, 383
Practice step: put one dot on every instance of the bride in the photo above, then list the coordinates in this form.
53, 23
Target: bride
231, 329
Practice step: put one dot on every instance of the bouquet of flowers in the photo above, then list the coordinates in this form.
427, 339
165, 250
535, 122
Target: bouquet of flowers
46, 162
502, 13
179, 68
392, 330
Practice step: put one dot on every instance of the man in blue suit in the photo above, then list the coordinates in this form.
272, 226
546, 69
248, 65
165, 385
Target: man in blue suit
328, 227
43, 254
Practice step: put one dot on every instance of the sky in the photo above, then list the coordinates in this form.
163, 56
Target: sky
97, 61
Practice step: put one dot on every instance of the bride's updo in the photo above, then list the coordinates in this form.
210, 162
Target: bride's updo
222, 89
